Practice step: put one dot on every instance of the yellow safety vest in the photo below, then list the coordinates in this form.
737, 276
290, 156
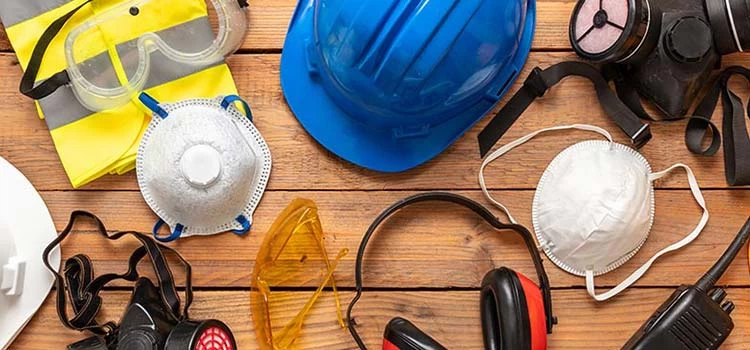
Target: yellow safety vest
93, 144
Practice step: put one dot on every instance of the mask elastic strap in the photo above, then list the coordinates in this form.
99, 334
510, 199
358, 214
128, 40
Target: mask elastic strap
245, 223
153, 105
177, 233
637, 274
507, 148
231, 99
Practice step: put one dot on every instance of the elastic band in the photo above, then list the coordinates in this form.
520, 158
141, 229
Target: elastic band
152, 104
736, 141
637, 274
229, 100
507, 148
173, 236
537, 84
246, 225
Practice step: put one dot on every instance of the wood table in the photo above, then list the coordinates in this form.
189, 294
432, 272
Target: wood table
425, 265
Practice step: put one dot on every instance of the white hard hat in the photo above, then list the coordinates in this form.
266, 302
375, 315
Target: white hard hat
26, 228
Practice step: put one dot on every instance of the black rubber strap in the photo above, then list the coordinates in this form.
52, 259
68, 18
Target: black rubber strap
697, 125
625, 90
83, 289
479, 210
62, 78
736, 139
537, 84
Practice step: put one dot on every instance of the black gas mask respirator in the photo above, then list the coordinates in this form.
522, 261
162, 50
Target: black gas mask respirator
664, 49
665, 52
154, 318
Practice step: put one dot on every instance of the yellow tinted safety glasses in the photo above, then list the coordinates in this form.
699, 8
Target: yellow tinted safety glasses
292, 251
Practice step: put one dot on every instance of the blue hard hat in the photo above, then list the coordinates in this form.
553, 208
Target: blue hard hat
390, 84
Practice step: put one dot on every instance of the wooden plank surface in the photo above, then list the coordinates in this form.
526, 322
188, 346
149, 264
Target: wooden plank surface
428, 246
426, 264
269, 20
451, 317
26, 141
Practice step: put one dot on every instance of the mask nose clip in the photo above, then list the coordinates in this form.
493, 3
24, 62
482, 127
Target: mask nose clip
201, 166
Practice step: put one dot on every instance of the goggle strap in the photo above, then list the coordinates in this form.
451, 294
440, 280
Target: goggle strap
62, 78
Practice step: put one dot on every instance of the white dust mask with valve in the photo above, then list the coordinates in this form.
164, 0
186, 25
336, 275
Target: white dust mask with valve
594, 207
202, 166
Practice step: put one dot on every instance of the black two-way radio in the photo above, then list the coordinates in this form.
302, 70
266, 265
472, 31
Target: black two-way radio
694, 317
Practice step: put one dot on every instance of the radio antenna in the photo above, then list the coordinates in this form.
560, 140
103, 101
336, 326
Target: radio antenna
712, 276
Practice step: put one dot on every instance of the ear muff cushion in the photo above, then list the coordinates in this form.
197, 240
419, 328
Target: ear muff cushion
505, 318
537, 317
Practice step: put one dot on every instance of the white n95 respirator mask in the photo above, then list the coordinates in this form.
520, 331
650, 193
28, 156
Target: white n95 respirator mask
202, 166
594, 207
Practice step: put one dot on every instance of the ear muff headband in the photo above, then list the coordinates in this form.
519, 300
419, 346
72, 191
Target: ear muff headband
476, 208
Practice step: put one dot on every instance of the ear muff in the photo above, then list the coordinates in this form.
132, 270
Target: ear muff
510, 302
401, 334
537, 316
505, 317
512, 311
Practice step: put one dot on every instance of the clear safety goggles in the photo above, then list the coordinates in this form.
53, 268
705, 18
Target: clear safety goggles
112, 55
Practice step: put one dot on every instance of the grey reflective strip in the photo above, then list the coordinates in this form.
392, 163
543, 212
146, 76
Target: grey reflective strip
13, 12
62, 107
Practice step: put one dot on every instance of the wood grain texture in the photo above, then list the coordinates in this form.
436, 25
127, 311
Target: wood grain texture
25, 140
269, 20
431, 245
450, 317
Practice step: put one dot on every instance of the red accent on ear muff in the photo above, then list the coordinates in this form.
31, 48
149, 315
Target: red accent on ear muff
535, 307
388, 345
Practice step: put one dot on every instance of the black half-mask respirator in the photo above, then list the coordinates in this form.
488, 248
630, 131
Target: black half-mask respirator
153, 320
663, 49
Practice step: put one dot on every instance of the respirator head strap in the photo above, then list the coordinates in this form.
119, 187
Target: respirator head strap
537, 84
83, 290
736, 141
477, 208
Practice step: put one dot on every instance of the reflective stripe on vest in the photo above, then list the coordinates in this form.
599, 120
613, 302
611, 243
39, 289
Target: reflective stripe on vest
90, 144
